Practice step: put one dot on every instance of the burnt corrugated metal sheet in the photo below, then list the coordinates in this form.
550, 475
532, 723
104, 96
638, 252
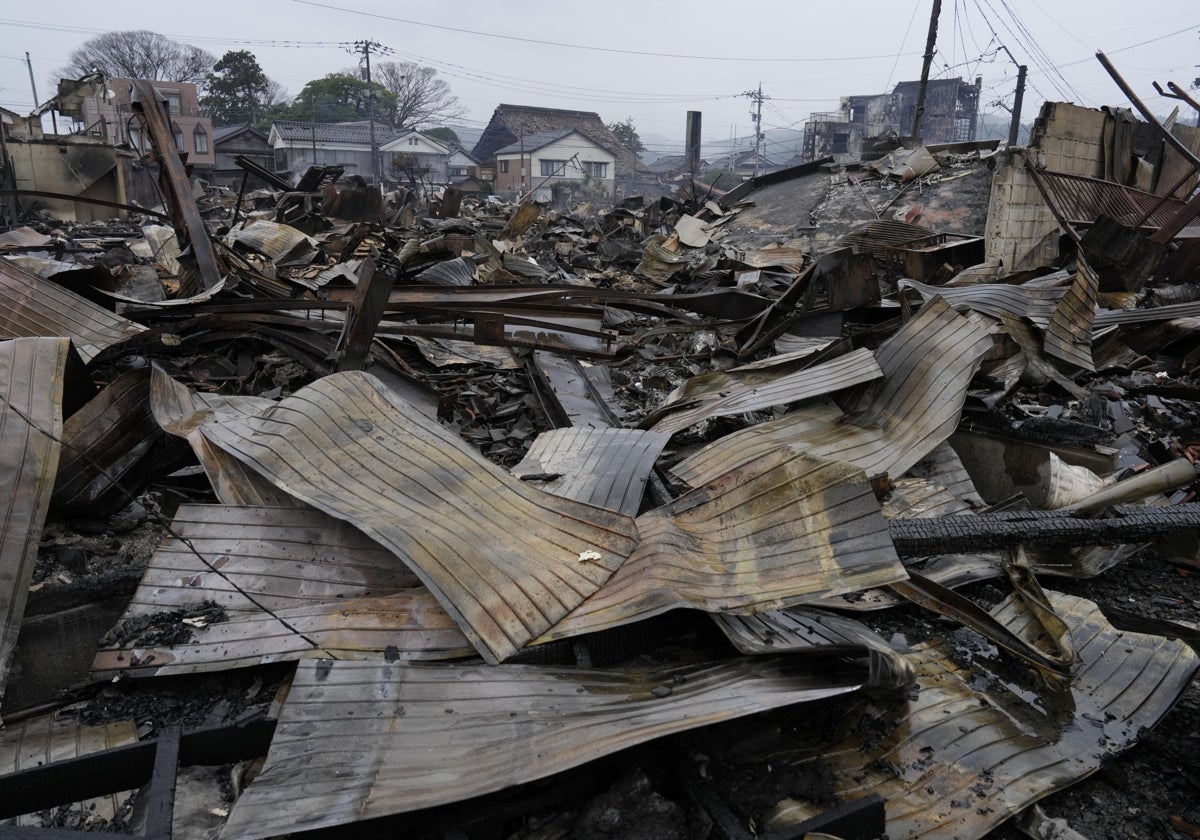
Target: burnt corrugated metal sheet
282, 557
781, 530
506, 560
605, 467
1069, 335
407, 626
32, 371
764, 391
1037, 303
958, 759
181, 411
30, 307
926, 366
425, 736
806, 630
46, 739
877, 237
113, 447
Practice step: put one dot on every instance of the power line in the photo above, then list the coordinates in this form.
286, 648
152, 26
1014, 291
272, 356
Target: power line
342, 10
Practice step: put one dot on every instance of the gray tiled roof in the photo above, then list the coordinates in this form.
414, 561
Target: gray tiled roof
346, 132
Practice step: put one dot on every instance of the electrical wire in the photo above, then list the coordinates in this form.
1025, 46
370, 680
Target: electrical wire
462, 31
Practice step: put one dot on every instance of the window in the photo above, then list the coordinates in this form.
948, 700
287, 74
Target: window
135, 138
458, 171
553, 167
200, 140
281, 160
504, 166
178, 137
172, 100
595, 169
413, 141
841, 144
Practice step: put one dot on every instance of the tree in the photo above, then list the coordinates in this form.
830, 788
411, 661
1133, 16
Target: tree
237, 90
139, 54
419, 95
337, 97
628, 135
445, 134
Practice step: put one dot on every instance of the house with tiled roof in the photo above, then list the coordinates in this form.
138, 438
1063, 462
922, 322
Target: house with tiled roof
230, 142
412, 157
545, 158
299, 145
510, 123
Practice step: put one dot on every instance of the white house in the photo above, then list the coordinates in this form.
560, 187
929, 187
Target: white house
414, 157
299, 145
551, 157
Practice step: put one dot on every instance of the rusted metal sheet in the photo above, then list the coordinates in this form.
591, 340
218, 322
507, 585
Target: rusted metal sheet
605, 467
1069, 335
32, 372
113, 448
926, 366
802, 528
46, 739
181, 411
1037, 303
755, 392
425, 736
349, 446
406, 626
30, 306
969, 749
282, 557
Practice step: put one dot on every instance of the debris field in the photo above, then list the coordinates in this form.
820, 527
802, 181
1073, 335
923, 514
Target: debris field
858, 501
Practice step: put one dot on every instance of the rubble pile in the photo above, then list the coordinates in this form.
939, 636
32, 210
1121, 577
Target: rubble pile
674, 518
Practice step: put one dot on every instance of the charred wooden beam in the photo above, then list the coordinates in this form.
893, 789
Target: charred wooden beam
1004, 529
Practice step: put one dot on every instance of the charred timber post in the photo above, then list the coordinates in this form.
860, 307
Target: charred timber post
1005, 529
185, 215
930, 40
366, 310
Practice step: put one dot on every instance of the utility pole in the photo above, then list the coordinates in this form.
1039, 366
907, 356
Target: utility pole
366, 47
757, 96
930, 40
692, 143
1014, 128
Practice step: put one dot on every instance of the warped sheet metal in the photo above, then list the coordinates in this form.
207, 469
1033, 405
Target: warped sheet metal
447, 353
407, 626
818, 631
1069, 335
927, 366
46, 739
1080, 200
181, 411
31, 307
970, 748
784, 529
571, 394
430, 735
605, 467
1037, 303
764, 391
282, 557
113, 446
506, 560
32, 372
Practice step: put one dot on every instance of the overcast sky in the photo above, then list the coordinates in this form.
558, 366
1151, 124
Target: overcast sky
653, 59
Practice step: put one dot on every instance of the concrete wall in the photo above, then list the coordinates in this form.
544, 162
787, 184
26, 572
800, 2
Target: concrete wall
71, 165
